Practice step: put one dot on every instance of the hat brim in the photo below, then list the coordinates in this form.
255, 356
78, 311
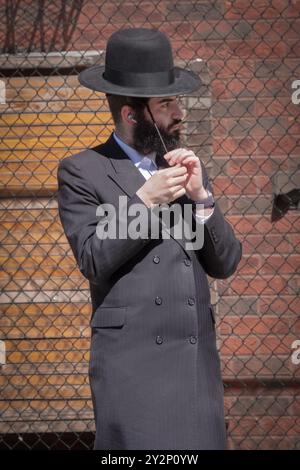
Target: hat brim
186, 81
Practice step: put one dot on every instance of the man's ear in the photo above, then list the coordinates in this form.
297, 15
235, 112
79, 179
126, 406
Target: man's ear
127, 115
131, 117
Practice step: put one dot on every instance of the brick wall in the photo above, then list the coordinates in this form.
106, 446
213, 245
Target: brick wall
244, 126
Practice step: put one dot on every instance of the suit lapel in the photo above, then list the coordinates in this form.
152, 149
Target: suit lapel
124, 173
121, 169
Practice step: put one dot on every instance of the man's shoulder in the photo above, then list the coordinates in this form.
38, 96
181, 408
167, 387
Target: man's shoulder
84, 159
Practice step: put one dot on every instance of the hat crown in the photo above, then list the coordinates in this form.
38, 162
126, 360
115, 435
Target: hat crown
139, 62
139, 50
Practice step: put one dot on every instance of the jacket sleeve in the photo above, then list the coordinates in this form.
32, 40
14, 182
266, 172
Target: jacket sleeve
221, 251
97, 258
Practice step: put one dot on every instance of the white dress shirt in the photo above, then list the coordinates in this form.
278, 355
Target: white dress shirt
147, 167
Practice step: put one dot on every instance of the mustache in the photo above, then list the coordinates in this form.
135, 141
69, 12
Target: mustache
175, 123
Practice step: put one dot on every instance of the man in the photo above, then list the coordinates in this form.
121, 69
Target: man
154, 367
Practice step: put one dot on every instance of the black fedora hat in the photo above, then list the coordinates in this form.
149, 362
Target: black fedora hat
139, 63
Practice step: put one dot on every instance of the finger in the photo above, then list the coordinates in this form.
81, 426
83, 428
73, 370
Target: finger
180, 157
172, 156
190, 160
179, 193
177, 187
179, 179
167, 170
173, 152
177, 171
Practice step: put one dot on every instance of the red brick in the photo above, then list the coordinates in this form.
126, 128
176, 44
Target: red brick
263, 184
261, 366
268, 442
208, 29
259, 49
234, 146
204, 9
259, 224
236, 305
293, 126
287, 305
277, 68
276, 30
276, 345
212, 50
293, 48
258, 403
261, 9
240, 346
178, 30
219, 89
272, 245
295, 325
225, 108
250, 264
238, 185
264, 425
294, 239
253, 324
266, 49
280, 106
280, 145
257, 87
255, 127
256, 165
260, 286
243, 87
231, 68
280, 264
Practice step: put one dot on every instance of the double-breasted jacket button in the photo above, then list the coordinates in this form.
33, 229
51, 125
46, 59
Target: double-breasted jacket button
187, 262
158, 300
159, 340
156, 259
193, 339
191, 301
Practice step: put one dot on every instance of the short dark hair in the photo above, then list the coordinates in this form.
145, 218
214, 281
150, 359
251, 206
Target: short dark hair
116, 102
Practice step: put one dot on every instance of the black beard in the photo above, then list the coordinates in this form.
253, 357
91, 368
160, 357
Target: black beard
146, 138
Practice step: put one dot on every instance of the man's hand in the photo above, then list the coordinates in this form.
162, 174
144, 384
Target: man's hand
164, 186
194, 181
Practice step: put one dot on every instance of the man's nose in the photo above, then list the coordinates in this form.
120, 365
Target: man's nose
178, 112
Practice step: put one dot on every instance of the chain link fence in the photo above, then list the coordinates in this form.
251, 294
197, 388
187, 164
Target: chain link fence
243, 123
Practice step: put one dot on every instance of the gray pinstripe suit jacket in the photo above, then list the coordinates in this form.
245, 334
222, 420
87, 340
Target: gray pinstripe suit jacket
154, 368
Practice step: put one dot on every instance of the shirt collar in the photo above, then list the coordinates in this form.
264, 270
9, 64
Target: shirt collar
137, 158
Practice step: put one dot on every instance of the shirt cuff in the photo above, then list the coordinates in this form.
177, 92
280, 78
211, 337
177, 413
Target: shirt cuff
201, 218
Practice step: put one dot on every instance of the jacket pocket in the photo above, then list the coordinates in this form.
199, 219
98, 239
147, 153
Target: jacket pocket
109, 317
